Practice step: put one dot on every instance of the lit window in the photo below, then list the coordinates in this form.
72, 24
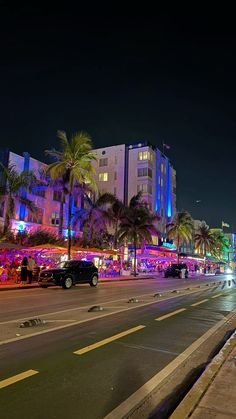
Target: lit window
145, 155
103, 177
55, 218
161, 182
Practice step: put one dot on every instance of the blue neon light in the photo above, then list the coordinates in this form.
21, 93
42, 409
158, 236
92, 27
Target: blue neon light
169, 197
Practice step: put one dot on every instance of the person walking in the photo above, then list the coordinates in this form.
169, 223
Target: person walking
23, 271
31, 263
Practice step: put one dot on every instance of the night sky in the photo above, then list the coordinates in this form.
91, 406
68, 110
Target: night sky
122, 79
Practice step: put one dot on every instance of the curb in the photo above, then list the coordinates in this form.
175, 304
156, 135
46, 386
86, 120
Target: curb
192, 399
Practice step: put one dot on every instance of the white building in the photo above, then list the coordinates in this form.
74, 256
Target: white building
124, 170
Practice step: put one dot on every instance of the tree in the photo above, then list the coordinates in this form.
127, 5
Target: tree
116, 212
204, 239
73, 161
94, 215
137, 225
220, 244
12, 192
180, 229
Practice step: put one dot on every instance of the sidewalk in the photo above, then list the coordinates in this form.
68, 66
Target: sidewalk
213, 395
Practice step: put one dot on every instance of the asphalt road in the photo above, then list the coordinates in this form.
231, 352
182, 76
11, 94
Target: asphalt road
115, 355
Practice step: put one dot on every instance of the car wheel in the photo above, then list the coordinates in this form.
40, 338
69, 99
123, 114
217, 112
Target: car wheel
67, 283
94, 281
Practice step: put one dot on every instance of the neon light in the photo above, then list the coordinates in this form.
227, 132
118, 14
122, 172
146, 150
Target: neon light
168, 201
157, 205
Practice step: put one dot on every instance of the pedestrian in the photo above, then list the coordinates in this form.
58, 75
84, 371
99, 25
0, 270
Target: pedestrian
31, 263
24, 269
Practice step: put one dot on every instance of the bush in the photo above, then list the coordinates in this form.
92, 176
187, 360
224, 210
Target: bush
42, 237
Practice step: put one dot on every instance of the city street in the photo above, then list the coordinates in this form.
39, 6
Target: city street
85, 365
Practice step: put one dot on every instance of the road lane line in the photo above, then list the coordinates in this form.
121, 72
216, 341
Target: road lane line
128, 406
199, 302
107, 340
217, 295
173, 313
98, 316
18, 377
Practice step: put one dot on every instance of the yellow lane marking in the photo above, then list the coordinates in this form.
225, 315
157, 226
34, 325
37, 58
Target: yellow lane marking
18, 377
217, 295
170, 314
199, 302
108, 340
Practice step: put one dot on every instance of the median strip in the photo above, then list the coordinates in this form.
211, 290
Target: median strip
173, 313
107, 340
199, 302
19, 377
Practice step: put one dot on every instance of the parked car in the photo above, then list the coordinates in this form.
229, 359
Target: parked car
175, 270
69, 273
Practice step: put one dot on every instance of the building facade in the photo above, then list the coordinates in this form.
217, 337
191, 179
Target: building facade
122, 170
45, 199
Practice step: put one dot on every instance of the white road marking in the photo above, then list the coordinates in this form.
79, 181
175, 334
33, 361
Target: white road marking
135, 400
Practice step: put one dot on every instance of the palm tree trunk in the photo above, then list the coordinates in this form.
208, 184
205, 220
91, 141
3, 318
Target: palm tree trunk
69, 225
178, 247
115, 234
6, 226
61, 216
135, 254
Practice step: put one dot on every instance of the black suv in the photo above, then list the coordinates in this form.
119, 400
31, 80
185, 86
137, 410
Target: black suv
69, 273
175, 270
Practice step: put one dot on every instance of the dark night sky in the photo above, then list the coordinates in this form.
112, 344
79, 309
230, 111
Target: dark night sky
125, 78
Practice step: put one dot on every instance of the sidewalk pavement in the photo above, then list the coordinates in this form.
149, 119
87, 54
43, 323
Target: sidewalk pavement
213, 395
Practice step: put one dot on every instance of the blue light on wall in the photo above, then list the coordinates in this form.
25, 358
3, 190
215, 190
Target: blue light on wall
22, 211
169, 195
157, 204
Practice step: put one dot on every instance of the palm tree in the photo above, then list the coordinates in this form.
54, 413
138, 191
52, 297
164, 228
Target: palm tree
74, 162
116, 212
94, 215
220, 243
12, 192
180, 229
204, 239
137, 225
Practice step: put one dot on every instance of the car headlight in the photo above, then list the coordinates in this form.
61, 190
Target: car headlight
229, 271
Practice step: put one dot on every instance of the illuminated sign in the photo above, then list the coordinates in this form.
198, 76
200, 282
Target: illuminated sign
168, 245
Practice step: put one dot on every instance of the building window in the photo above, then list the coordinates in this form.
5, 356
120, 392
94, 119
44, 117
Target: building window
36, 218
162, 167
55, 218
103, 162
39, 189
115, 175
115, 191
145, 188
115, 159
103, 152
161, 181
144, 171
103, 177
2, 209
145, 155
57, 195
